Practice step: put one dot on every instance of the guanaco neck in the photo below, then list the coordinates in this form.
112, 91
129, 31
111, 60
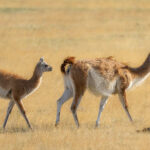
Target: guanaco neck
141, 73
143, 70
35, 79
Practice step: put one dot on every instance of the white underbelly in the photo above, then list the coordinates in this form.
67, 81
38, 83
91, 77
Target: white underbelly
98, 85
3, 92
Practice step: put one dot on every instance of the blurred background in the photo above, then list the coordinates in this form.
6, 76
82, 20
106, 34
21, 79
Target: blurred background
84, 29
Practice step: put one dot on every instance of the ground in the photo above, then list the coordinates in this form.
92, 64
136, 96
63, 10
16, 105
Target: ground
84, 29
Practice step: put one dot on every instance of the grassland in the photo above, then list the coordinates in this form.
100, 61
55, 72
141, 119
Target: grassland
85, 29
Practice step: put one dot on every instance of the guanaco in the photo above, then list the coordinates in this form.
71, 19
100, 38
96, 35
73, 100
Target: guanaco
15, 88
102, 76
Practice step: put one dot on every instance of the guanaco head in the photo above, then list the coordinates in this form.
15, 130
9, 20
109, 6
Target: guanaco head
41, 67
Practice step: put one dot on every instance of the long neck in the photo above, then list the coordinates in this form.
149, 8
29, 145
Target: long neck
35, 79
140, 73
143, 70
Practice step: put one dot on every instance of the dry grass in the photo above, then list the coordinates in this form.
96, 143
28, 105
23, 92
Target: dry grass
85, 29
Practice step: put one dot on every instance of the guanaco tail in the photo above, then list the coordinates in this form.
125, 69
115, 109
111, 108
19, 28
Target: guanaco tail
102, 76
15, 88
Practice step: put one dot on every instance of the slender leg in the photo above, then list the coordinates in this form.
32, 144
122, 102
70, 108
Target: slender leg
9, 109
101, 107
66, 96
122, 97
20, 106
74, 107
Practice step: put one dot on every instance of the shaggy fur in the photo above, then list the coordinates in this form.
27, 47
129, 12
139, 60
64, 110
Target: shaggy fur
102, 76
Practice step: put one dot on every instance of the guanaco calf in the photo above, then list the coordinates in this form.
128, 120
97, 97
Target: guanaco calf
102, 76
15, 88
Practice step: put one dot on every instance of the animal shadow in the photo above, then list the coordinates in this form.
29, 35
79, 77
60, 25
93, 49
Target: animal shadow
144, 130
15, 130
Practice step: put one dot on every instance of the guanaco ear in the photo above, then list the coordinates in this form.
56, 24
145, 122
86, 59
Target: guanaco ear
41, 59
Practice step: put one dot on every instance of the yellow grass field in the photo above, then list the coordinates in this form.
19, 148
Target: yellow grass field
55, 29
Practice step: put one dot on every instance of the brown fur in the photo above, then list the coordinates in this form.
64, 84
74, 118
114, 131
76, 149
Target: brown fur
79, 76
16, 88
18, 84
68, 60
114, 77
125, 78
108, 67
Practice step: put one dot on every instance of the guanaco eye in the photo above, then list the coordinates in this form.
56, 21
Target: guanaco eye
46, 65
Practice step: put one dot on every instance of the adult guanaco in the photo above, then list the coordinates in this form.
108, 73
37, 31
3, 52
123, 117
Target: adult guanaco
102, 76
